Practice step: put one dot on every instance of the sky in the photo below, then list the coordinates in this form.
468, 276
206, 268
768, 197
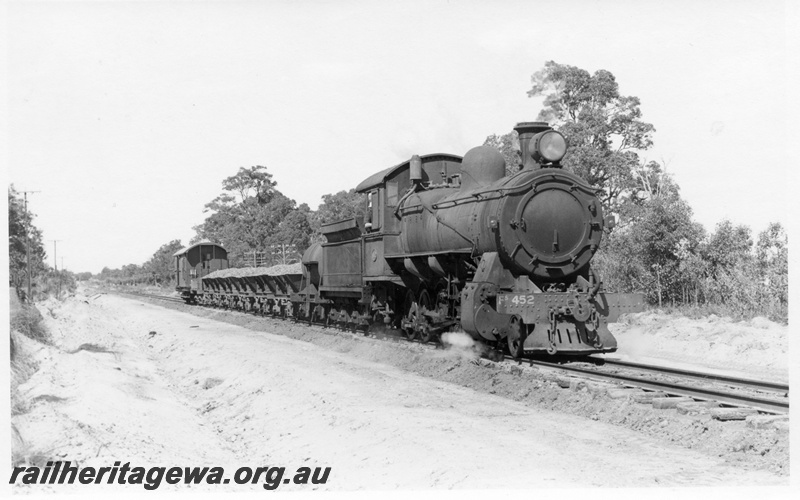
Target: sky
127, 116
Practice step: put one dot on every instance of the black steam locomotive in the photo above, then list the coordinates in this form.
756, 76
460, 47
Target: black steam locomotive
455, 243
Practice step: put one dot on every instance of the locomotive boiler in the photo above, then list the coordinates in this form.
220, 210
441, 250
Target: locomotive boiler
451, 242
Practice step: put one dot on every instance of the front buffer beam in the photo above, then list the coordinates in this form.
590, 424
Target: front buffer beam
496, 303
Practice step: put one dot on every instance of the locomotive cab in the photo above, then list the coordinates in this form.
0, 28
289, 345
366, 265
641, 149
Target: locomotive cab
384, 193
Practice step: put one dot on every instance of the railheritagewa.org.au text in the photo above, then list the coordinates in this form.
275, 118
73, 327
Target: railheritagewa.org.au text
151, 478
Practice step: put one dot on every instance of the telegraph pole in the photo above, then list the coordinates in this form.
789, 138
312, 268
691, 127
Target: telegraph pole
55, 255
281, 249
29, 297
55, 266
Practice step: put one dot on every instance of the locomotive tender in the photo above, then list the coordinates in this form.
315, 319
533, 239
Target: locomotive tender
455, 243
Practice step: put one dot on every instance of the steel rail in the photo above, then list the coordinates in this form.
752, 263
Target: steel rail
154, 296
705, 394
736, 381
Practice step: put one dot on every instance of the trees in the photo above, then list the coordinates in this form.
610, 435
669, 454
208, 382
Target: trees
606, 135
161, 265
258, 219
508, 144
20, 220
772, 256
727, 247
751, 278
293, 233
251, 182
655, 245
336, 207
603, 127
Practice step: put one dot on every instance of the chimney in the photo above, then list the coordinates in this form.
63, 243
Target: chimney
526, 130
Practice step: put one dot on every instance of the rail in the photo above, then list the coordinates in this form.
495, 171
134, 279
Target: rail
152, 296
762, 385
763, 404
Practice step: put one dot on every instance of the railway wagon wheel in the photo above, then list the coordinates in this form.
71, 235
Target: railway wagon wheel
351, 319
343, 318
355, 320
312, 315
331, 317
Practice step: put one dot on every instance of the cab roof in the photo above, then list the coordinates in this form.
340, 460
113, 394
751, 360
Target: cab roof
379, 178
204, 243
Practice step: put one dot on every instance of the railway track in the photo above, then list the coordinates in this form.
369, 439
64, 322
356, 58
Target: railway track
153, 296
759, 385
764, 396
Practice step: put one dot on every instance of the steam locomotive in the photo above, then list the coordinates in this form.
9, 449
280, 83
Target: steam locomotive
454, 243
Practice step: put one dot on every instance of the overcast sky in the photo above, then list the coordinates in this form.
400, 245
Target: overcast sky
128, 115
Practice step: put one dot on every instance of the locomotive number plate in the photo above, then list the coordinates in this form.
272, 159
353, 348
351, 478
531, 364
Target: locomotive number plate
521, 299
531, 307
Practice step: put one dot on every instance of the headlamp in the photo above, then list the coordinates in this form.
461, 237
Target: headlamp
548, 146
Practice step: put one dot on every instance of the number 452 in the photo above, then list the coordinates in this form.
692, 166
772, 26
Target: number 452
521, 300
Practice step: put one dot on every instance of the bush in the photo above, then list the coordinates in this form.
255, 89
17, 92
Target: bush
723, 273
56, 284
28, 322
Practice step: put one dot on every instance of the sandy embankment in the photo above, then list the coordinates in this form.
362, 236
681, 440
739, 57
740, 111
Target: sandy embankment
758, 348
200, 392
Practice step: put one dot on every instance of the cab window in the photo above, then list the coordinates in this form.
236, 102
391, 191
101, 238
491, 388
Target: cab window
376, 209
391, 194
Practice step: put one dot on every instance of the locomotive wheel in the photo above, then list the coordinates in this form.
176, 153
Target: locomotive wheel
409, 309
425, 301
425, 305
425, 335
411, 318
516, 338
